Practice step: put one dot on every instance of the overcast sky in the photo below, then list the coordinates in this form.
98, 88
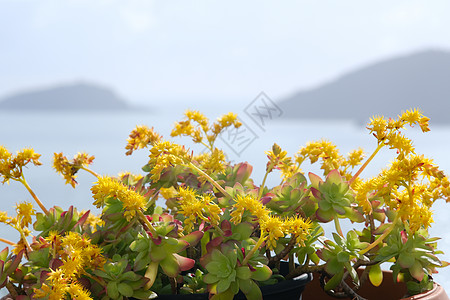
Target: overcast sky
207, 50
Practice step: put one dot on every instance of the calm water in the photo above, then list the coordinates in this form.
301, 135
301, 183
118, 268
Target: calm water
104, 135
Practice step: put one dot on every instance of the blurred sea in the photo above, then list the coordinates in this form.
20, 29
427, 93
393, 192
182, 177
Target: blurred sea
104, 135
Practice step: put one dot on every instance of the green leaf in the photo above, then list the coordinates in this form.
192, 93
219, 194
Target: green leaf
333, 266
253, 292
130, 275
112, 290
224, 284
343, 257
416, 271
406, 260
210, 278
4, 254
125, 289
376, 275
261, 273
243, 272
170, 266
334, 281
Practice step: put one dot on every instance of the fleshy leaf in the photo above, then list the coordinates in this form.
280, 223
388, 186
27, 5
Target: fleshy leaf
376, 275
315, 180
184, 262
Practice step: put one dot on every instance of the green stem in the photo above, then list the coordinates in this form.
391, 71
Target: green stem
365, 164
253, 250
381, 237
212, 181
147, 222
41, 205
90, 171
261, 188
338, 226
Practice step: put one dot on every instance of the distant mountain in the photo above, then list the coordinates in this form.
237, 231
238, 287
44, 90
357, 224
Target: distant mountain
79, 96
420, 80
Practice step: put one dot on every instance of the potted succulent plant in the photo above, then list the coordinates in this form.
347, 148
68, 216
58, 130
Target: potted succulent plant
198, 226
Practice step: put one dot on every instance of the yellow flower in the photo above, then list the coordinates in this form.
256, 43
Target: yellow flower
248, 203
107, 187
77, 291
186, 127
355, 157
11, 165
324, 150
165, 154
68, 169
213, 162
4, 217
25, 211
25, 156
224, 121
272, 227
140, 137
298, 227
194, 206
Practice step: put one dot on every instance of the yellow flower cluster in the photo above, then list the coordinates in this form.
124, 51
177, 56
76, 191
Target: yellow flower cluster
324, 150
165, 154
298, 227
250, 204
11, 165
23, 219
77, 255
68, 169
186, 128
107, 187
193, 206
278, 159
330, 158
409, 186
213, 162
140, 137
202, 130
388, 133
225, 121
272, 227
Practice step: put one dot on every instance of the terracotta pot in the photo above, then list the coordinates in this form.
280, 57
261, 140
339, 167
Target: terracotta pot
388, 290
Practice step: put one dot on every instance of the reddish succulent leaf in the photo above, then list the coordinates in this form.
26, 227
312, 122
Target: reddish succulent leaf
184, 262
193, 238
315, 180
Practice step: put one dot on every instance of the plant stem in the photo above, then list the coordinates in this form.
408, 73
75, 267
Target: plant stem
147, 222
261, 188
90, 171
212, 181
25, 183
365, 164
253, 250
381, 237
284, 252
338, 226
7, 242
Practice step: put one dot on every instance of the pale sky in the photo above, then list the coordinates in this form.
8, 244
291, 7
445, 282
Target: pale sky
151, 51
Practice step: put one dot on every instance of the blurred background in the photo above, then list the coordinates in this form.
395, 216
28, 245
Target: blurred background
79, 75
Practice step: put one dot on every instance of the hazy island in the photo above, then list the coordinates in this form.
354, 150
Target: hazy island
78, 96
419, 80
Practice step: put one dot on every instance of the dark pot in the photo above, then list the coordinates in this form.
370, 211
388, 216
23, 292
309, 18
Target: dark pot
283, 290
